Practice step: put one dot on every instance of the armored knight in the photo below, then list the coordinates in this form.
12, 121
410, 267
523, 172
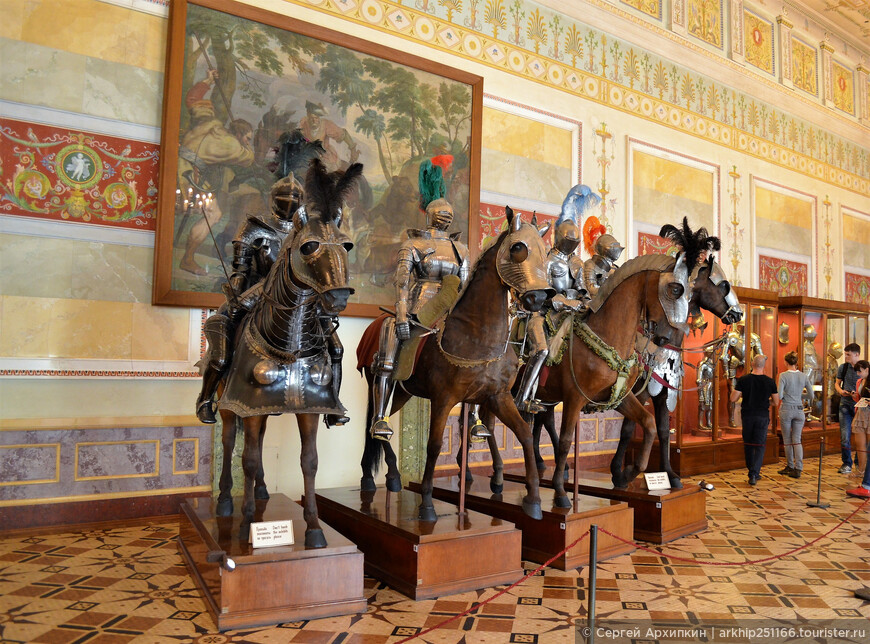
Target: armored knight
597, 268
812, 369
424, 259
734, 357
704, 380
566, 239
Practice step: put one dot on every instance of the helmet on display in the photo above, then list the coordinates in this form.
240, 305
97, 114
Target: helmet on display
835, 350
608, 247
439, 214
286, 196
567, 232
566, 237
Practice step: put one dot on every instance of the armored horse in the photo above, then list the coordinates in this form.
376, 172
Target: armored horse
597, 364
470, 360
287, 354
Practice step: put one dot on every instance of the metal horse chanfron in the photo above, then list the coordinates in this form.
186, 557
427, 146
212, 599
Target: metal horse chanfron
470, 359
287, 355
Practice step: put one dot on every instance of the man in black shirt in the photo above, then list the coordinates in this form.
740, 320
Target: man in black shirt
845, 383
757, 390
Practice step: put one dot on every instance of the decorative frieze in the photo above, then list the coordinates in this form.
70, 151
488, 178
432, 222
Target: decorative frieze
785, 69
737, 44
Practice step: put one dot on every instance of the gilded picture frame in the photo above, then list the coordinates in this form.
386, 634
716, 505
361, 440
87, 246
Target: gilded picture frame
238, 76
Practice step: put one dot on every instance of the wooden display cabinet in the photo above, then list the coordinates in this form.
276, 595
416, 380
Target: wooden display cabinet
818, 330
706, 434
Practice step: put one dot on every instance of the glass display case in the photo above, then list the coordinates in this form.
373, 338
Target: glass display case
706, 429
818, 330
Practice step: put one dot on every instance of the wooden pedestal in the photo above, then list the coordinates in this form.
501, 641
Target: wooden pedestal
418, 558
268, 585
659, 516
559, 527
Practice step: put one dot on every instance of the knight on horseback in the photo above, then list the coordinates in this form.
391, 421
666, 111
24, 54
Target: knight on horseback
571, 294
424, 259
255, 249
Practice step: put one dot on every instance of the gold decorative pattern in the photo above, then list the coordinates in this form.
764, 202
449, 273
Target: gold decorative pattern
758, 41
804, 70
717, 114
844, 88
705, 20
649, 7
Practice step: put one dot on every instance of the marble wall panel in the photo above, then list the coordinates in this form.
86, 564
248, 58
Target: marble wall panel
103, 463
36, 266
510, 174
160, 332
787, 237
123, 92
39, 75
29, 464
856, 241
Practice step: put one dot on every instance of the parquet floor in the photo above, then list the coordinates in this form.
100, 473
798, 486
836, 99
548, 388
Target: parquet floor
128, 583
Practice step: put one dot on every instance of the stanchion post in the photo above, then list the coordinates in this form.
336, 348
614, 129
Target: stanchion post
463, 462
593, 569
576, 464
818, 503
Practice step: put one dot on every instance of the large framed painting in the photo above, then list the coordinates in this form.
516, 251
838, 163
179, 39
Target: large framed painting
237, 77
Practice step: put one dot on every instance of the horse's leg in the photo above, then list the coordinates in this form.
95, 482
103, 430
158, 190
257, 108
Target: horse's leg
631, 408
260, 491
230, 423
372, 448
308, 459
504, 407
394, 478
440, 411
570, 416
550, 426
496, 481
537, 425
254, 427
663, 421
617, 463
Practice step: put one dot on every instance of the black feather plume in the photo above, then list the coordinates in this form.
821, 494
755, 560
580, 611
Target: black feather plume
693, 243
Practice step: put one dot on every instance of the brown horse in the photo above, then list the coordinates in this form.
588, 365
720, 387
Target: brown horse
471, 360
287, 356
601, 372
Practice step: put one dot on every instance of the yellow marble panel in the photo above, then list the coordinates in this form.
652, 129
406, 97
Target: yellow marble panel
783, 208
97, 29
526, 137
39, 75
13, 12
160, 332
856, 229
90, 329
672, 178
26, 325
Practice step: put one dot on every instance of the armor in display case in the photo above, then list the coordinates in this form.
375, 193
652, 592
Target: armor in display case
812, 368
704, 380
832, 363
734, 361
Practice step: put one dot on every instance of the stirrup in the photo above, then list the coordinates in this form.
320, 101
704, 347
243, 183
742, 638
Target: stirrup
334, 420
381, 429
531, 406
479, 432
205, 412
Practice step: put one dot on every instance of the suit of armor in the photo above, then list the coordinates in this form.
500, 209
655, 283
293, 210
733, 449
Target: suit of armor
733, 358
255, 249
597, 268
423, 260
704, 380
835, 352
812, 369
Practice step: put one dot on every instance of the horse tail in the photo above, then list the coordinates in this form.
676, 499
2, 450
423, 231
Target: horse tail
374, 448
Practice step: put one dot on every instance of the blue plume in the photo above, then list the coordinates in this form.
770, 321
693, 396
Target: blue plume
579, 199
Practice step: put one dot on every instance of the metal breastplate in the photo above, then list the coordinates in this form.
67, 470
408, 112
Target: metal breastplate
437, 259
266, 242
558, 271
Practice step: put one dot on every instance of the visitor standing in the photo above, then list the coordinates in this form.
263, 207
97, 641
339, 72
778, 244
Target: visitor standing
861, 426
757, 390
847, 379
794, 387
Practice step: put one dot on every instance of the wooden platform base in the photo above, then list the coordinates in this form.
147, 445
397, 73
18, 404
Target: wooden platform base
659, 517
268, 585
424, 559
559, 527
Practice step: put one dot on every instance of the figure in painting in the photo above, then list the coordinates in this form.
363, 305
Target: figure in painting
315, 126
424, 259
207, 150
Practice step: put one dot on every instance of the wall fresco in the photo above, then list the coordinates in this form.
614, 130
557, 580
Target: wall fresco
648, 244
56, 173
758, 41
805, 63
783, 276
856, 241
783, 221
649, 7
579, 59
492, 222
857, 288
844, 88
705, 20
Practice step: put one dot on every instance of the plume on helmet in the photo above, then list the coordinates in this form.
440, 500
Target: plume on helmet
430, 180
579, 199
592, 230
326, 191
692, 242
